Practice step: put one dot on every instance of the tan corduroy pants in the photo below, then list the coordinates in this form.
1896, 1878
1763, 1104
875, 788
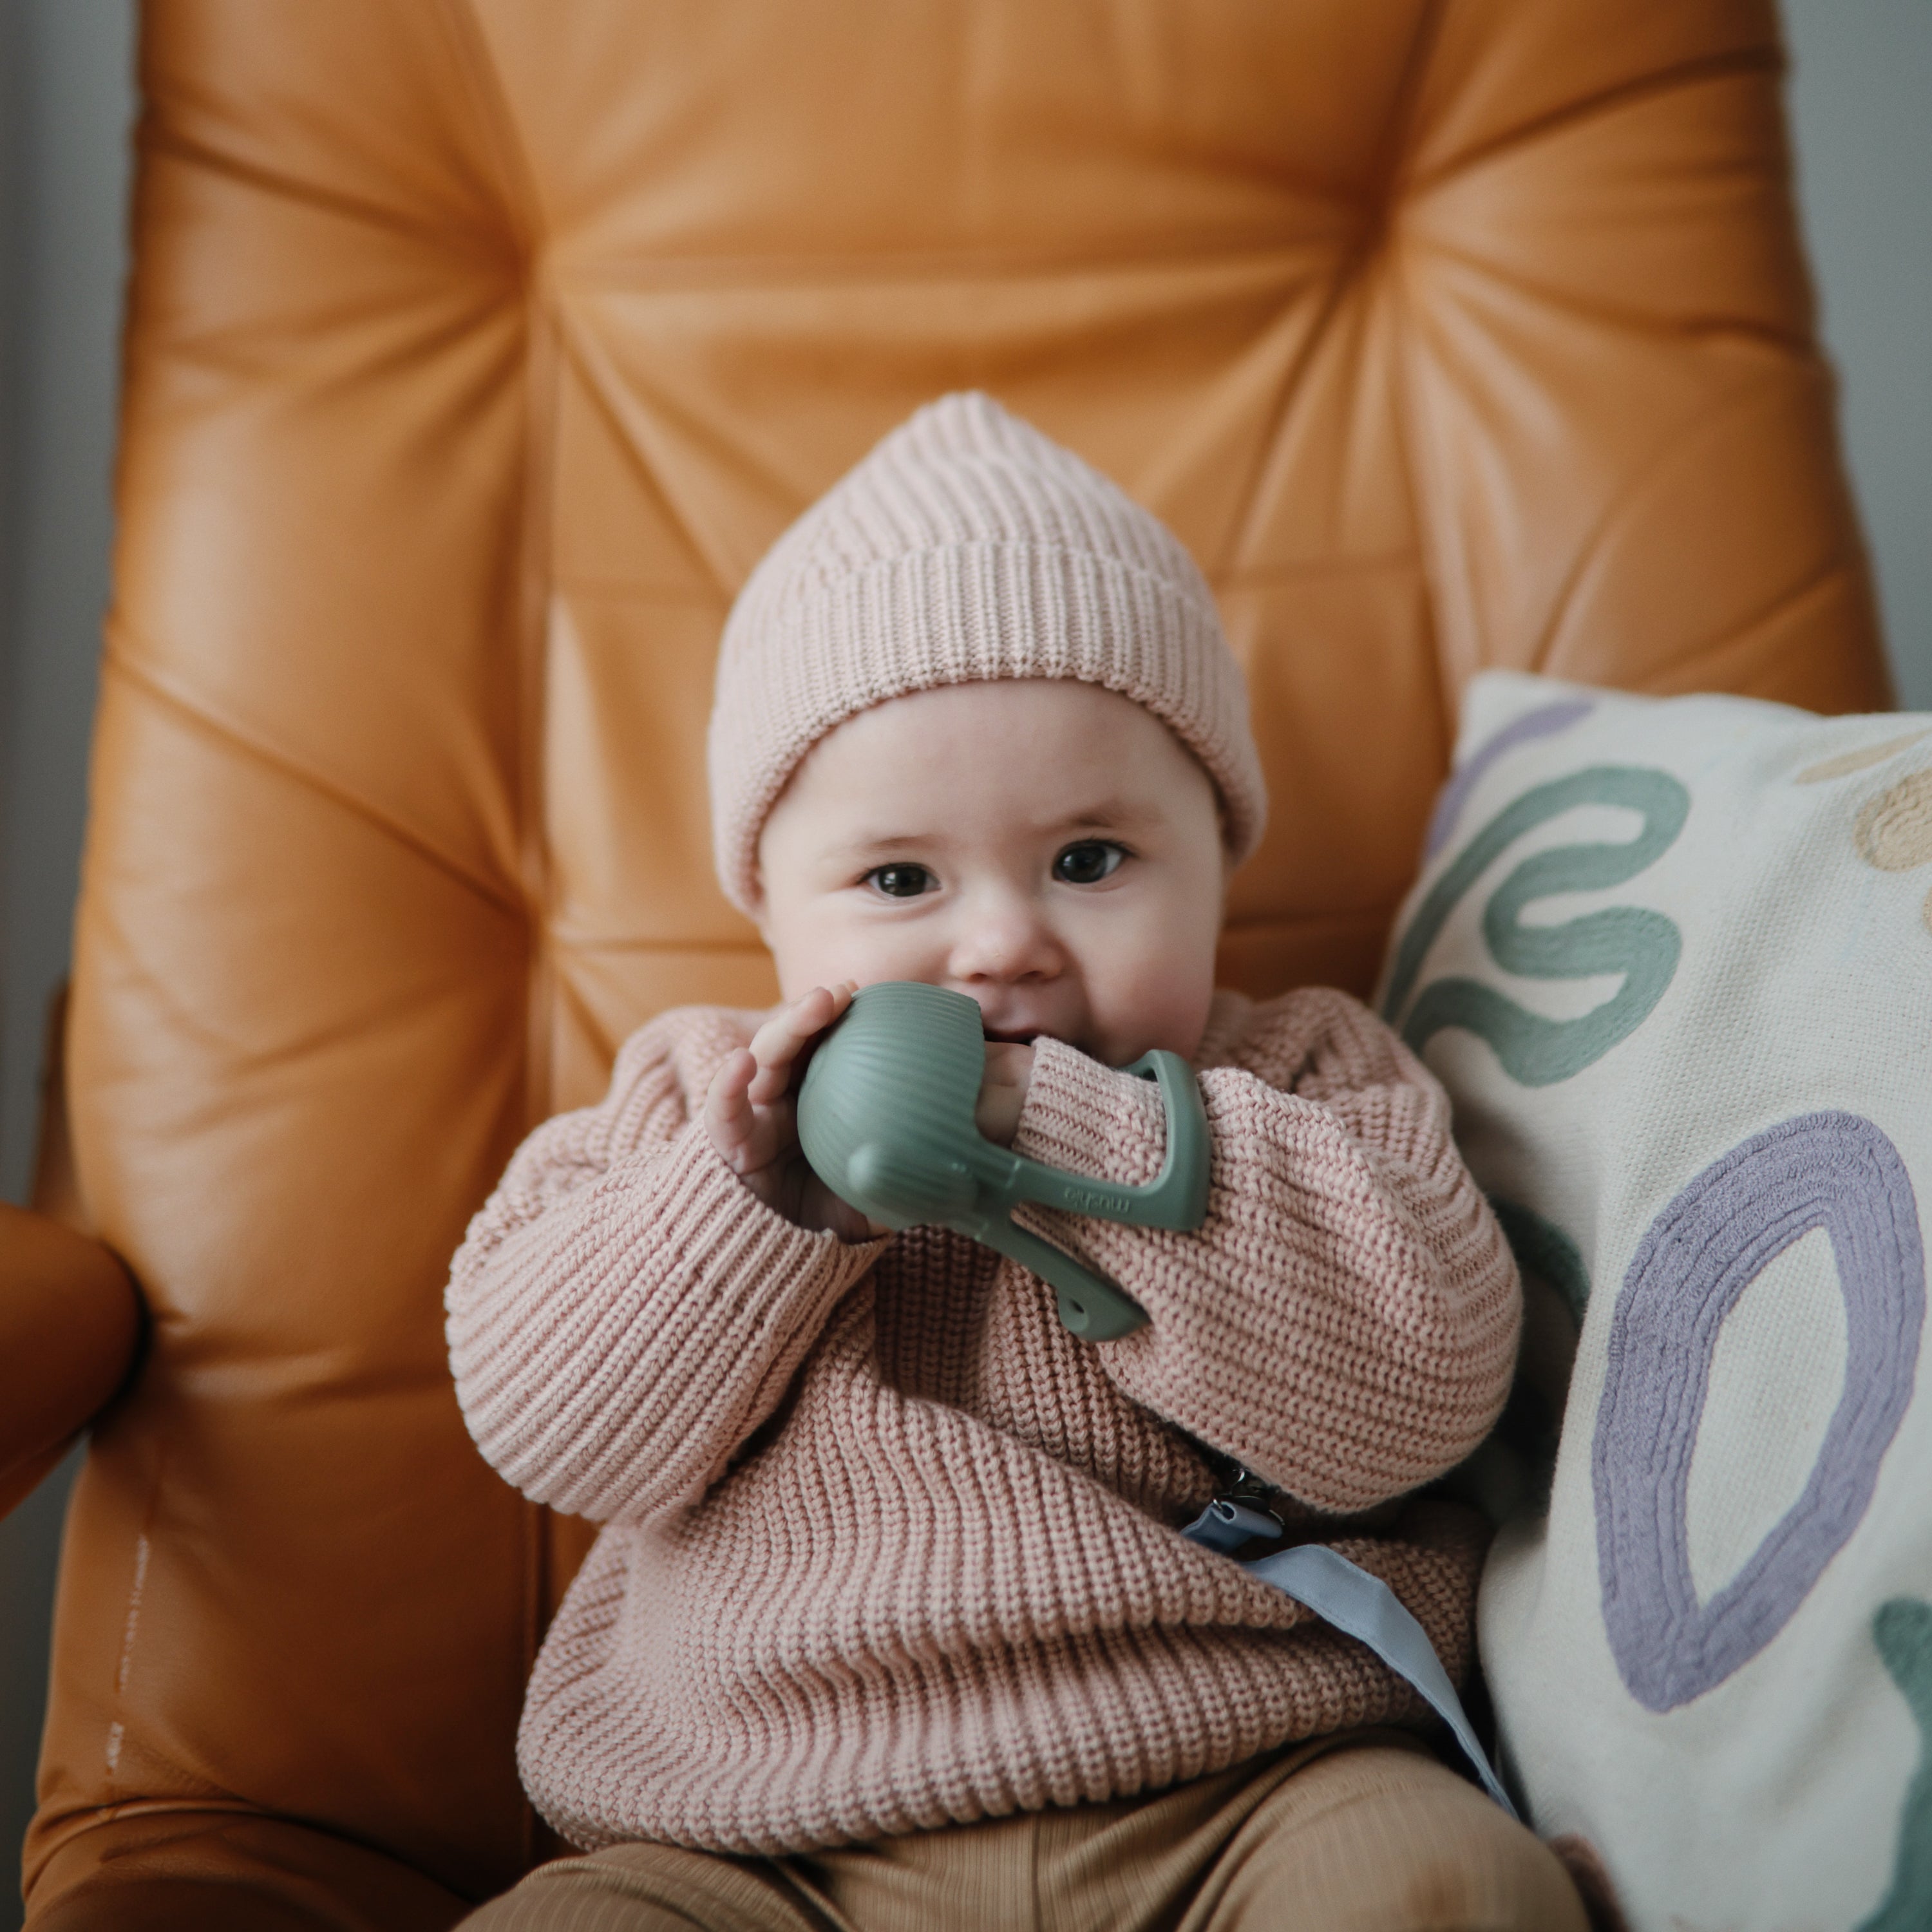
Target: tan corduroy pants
1366, 1832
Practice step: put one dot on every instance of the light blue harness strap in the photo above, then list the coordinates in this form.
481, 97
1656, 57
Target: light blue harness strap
1365, 1608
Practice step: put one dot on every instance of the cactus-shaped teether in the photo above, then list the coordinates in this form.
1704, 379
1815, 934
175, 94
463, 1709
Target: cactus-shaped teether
885, 1116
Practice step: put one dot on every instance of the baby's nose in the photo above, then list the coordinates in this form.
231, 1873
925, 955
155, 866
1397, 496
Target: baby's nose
1008, 941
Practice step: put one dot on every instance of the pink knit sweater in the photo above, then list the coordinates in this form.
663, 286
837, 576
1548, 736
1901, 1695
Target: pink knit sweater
887, 1546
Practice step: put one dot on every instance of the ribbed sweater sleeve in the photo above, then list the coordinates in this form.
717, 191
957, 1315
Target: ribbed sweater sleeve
1345, 1323
624, 1312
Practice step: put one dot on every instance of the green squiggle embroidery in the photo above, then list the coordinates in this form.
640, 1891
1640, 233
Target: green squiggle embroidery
1902, 1631
1541, 1247
1644, 946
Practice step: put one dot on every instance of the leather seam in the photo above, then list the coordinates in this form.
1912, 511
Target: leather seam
119, 660
1769, 385
1696, 72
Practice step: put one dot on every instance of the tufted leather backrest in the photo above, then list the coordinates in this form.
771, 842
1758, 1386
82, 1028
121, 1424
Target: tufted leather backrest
478, 349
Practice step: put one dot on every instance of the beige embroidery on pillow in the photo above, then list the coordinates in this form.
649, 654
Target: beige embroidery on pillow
1846, 763
1894, 830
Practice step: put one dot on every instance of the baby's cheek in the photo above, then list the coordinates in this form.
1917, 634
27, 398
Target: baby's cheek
1159, 999
824, 956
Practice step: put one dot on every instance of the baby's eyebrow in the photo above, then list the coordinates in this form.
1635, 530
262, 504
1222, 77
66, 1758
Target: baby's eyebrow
884, 845
1102, 815
1107, 811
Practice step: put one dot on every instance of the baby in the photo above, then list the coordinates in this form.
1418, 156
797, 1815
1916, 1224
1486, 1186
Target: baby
892, 1623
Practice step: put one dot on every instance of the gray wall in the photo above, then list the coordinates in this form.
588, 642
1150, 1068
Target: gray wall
1862, 104
69, 69
1863, 107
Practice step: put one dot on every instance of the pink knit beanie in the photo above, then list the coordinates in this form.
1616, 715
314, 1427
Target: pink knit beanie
967, 546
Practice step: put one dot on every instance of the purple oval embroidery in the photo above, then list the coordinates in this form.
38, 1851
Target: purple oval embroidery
1541, 723
1833, 1171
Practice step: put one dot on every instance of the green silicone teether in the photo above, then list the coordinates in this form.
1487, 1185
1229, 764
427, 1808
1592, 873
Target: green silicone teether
885, 1116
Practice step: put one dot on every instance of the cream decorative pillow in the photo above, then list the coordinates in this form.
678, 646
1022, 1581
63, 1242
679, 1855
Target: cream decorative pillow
1672, 959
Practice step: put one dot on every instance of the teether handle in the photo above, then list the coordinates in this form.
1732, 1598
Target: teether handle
1090, 1306
1177, 1197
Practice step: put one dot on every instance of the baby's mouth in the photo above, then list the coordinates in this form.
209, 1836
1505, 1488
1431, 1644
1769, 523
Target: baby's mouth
1024, 1036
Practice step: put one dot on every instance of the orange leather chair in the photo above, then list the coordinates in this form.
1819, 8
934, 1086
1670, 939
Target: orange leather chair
477, 349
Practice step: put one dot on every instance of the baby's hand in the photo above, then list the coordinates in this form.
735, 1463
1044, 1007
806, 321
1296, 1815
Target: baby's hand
751, 1117
1002, 1090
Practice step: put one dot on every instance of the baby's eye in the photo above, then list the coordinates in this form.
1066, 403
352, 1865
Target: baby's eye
1088, 863
901, 881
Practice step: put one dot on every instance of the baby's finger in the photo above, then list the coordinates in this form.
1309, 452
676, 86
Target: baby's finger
729, 1116
777, 1043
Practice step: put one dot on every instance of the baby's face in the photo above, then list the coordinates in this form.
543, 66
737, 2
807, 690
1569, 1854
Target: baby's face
1045, 846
